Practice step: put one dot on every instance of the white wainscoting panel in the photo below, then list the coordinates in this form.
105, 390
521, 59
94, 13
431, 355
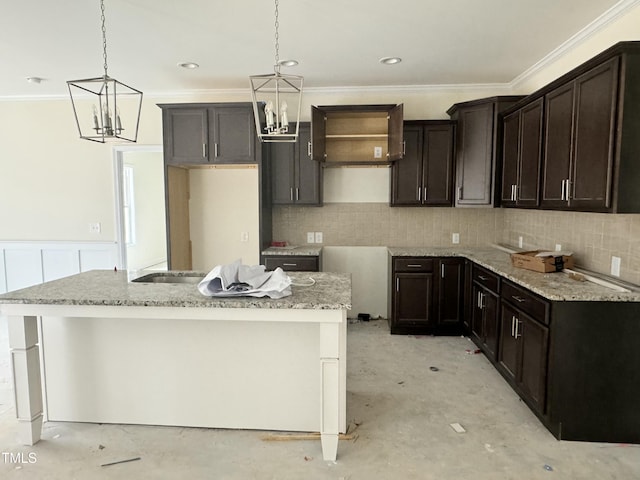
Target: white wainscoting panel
23, 264
368, 267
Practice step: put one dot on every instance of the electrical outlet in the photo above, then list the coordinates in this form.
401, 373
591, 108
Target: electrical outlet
318, 237
519, 242
558, 247
377, 152
311, 238
615, 266
244, 236
455, 238
95, 227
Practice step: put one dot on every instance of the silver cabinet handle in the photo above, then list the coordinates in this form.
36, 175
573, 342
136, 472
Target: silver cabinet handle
513, 325
297, 194
483, 278
563, 195
397, 284
424, 194
518, 298
419, 193
512, 192
289, 264
459, 193
442, 270
215, 150
479, 301
309, 149
204, 150
517, 329
568, 190
291, 194
404, 147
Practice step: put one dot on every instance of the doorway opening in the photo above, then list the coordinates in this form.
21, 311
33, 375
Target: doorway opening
140, 207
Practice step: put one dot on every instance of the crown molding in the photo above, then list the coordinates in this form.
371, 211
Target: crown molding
619, 9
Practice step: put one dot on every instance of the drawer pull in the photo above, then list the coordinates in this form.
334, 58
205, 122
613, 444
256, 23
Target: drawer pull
289, 264
518, 299
483, 278
415, 265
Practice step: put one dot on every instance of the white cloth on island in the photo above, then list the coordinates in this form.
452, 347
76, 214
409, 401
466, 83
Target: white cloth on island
238, 280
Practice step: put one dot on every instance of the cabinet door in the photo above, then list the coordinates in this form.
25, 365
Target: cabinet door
450, 292
308, 172
413, 299
406, 174
477, 315
474, 155
595, 107
233, 135
528, 185
394, 129
510, 158
557, 146
508, 350
185, 136
490, 326
437, 170
534, 340
318, 134
282, 173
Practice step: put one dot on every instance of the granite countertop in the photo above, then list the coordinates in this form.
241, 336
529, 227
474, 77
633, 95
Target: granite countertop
552, 286
331, 291
293, 250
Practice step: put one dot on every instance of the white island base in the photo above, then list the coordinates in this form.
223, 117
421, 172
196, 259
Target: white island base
239, 368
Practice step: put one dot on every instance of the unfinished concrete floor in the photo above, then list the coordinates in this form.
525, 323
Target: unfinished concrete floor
403, 411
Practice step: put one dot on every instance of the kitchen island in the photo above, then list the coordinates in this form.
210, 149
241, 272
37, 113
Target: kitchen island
115, 351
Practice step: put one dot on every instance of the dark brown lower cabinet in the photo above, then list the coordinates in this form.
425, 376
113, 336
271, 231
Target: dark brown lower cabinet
484, 320
522, 354
427, 295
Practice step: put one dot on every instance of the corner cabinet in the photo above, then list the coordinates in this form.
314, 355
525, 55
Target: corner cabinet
478, 147
424, 176
295, 178
427, 295
203, 134
356, 134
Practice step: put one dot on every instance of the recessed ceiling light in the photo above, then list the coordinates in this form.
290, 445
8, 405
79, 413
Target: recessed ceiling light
390, 60
34, 79
188, 65
288, 63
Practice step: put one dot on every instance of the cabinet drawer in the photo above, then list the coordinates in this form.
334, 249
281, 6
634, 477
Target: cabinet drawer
526, 301
413, 264
485, 278
292, 263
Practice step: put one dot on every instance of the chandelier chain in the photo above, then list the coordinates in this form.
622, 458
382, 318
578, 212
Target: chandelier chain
277, 24
104, 38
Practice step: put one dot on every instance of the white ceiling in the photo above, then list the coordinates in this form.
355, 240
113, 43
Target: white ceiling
337, 42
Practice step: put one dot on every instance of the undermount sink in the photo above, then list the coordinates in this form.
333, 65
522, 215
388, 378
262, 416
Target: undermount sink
170, 277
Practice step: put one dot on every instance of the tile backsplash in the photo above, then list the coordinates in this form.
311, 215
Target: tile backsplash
377, 224
593, 237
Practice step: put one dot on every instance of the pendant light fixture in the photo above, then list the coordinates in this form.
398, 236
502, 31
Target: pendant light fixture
104, 108
275, 98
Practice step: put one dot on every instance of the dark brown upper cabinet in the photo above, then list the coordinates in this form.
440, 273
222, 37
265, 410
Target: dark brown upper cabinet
521, 156
356, 134
213, 133
424, 176
295, 178
478, 147
590, 139
579, 157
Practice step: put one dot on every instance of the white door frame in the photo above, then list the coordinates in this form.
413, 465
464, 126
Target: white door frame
118, 158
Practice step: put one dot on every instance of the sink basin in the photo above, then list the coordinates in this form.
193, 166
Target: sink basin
170, 277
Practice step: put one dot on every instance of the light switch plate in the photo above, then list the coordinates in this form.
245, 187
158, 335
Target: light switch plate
318, 237
311, 238
377, 152
558, 247
455, 238
244, 236
519, 242
95, 227
615, 266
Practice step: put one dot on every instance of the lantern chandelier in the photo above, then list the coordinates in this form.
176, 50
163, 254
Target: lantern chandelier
104, 108
275, 96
